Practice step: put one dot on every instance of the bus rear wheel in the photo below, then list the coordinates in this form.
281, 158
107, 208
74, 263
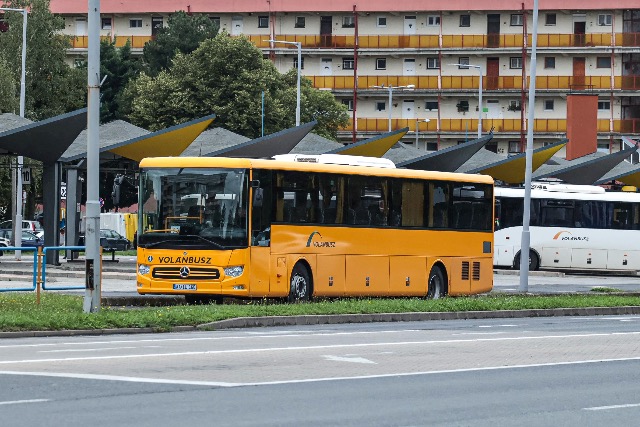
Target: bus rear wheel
534, 262
436, 284
299, 284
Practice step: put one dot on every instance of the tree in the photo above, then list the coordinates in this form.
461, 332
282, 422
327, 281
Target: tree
119, 67
183, 34
227, 76
9, 101
52, 87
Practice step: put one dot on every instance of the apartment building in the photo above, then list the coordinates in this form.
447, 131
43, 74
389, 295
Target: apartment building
402, 64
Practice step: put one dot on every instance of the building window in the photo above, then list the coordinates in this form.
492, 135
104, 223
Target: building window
215, 20
433, 62
463, 106
603, 62
135, 23
548, 105
514, 146
263, 22
550, 19
516, 20
604, 105
295, 62
462, 61
515, 105
381, 106
433, 20
549, 62
347, 63
515, 62
604, 20
348, 103
78, 62
381, 63
348, 21
300, 22
432, 146
431, 105
4, 25
106, 23
382, 21
465, 20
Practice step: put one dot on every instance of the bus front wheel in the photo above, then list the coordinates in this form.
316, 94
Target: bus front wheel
299, 284
436, 284
534, 262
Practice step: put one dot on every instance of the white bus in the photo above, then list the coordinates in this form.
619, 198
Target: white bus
576, 227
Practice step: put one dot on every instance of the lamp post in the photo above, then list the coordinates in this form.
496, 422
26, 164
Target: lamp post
479, 68
298, 45
390, 88
17, 224
418, 121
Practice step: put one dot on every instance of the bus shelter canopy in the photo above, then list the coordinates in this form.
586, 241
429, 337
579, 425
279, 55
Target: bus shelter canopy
448, 159
45, 140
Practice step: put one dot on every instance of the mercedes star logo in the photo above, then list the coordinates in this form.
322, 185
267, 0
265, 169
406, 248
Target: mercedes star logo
184, 272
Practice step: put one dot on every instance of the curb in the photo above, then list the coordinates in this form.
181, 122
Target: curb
329, 319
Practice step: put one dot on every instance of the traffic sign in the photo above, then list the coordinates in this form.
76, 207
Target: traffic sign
26, 175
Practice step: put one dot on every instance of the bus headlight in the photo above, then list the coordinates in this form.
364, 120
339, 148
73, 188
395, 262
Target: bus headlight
143, 269
234, 271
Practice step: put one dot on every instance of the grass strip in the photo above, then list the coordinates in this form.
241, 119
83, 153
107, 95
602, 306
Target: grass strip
19, 312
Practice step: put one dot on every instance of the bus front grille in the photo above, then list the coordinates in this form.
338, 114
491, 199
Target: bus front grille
192, 273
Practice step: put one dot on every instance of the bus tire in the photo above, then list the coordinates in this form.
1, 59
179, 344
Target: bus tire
299, 284
435, 284
534, 261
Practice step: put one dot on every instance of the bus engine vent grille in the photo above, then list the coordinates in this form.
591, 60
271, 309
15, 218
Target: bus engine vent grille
476, 270
194, 273
465, 270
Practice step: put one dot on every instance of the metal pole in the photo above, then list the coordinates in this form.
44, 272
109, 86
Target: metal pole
262, 113
416, 133
526, 216
92, 233
390, 98
480, 106
299, 46
17, 223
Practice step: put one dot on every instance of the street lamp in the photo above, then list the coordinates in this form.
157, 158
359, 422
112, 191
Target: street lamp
479, 68
17, 224
390, 88
298, 45
418, 121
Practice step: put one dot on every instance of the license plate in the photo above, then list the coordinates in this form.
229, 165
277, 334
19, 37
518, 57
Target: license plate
184, 287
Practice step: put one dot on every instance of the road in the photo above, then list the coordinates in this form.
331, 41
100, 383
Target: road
535, 371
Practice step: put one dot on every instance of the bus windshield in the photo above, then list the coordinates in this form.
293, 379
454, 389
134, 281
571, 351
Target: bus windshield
195, 208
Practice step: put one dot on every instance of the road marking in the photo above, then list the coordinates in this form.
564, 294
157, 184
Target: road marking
307, 380
349, 359
318, 347
604, 408
71, 350
15, 402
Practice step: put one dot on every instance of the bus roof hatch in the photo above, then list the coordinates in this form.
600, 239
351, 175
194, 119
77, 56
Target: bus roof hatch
336, 159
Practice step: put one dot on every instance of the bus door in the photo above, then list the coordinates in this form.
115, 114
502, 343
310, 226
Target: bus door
260, 252
556, 220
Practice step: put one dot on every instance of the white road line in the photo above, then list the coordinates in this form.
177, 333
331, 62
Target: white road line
306, 380
352, 359
72, 350
243, 337
15, 402
604, 408
317, 347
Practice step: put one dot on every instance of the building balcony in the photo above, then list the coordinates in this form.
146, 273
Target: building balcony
471, 82
137, 42
452, 41
470, 124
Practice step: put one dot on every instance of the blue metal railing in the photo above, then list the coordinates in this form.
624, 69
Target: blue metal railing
35, 267
44, 267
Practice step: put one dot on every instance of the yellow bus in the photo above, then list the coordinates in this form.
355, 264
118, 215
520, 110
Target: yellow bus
299, 227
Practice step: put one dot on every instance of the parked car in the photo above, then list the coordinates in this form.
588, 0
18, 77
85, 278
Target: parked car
32, 226
110, 240
29, 239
